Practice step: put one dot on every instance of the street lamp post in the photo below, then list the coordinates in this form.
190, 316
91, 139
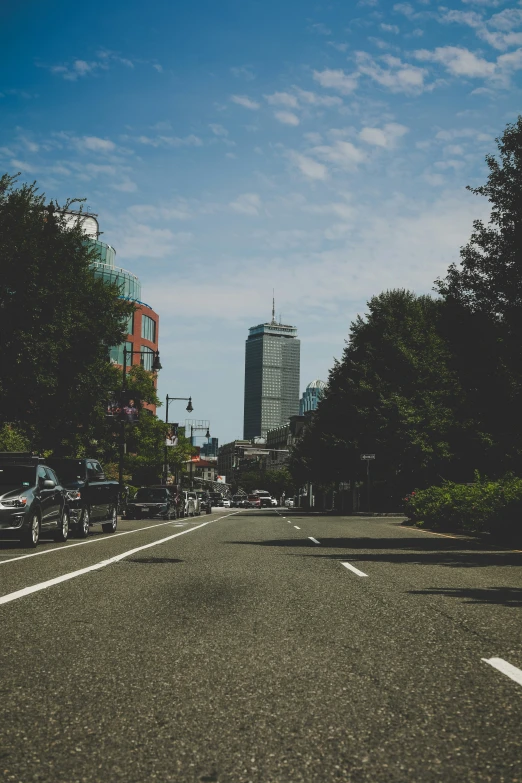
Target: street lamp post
189, 408
207, 435
156, 365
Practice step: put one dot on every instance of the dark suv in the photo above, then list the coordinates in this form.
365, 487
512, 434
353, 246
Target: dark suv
32, 500
151, 502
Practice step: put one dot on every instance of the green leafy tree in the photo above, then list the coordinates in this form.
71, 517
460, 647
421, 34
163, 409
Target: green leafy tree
392, 394
12, 439
483, 297
57, 323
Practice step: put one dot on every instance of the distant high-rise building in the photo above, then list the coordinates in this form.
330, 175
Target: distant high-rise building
272, 364
312, 395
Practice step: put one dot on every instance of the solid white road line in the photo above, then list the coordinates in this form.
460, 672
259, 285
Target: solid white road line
506, 668
83, 543
5, 599
314, 540
354, 569
297, 528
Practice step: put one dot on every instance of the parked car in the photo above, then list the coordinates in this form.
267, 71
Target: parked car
289, 503
226, 502
216, 499
150, 502
32, 500
93, 497
204, 501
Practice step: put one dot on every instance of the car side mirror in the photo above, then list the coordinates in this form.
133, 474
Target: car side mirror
48, 484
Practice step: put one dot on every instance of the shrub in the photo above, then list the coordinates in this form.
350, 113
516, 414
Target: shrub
484, 506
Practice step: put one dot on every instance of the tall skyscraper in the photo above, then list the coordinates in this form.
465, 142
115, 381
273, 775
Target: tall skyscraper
272, 363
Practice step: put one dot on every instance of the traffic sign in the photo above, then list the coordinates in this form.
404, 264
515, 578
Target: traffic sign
367, 456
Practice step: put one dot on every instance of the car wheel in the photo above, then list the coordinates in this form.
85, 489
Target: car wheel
110, 527
62, 534
83, 526
31, 535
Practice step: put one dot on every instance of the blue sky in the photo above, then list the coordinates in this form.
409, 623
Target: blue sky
320, 149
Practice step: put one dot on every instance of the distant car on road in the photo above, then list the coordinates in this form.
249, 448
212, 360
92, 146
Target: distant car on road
226, 502
150, 502
216, 499
32, 500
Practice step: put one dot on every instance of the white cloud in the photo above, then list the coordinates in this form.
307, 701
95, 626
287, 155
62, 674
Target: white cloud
245, 72
286, 117
218, 130
407, 10
139, 240
341, 153
383, 137
283, 99
505, 22
337, 80
458, 61
93, 144
245, 101
320, 28
390, 28
170, 141
398, 77
312, 98
178, 210
125, 186
308, 166
247, 204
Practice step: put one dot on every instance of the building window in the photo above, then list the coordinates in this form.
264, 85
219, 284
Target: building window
147, 358
116, 354
148, 328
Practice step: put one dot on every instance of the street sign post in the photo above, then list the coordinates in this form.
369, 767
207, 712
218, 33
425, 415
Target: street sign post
367, 458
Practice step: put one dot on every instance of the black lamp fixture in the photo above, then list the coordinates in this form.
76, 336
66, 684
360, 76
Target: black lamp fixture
207, 434
189, 407
156, 364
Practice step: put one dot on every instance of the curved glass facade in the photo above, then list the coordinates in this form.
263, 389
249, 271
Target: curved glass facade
106, 252
130, 286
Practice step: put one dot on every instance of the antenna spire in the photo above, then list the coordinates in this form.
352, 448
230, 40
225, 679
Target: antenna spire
273, 307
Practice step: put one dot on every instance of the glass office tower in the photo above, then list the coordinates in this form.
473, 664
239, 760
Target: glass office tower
272, 364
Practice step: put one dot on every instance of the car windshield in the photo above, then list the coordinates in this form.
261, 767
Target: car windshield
68, 469
151, 495
17, 476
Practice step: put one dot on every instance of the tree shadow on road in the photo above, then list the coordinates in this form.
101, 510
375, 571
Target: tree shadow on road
417, 551
505, 596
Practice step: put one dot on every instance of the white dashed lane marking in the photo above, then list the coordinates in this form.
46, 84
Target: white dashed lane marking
506, 668
314, 540
355, 570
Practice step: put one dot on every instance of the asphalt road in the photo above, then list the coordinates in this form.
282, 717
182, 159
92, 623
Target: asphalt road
235, 647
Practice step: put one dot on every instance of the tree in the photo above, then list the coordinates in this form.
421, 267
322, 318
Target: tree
393, 394
57, 323
483, 297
